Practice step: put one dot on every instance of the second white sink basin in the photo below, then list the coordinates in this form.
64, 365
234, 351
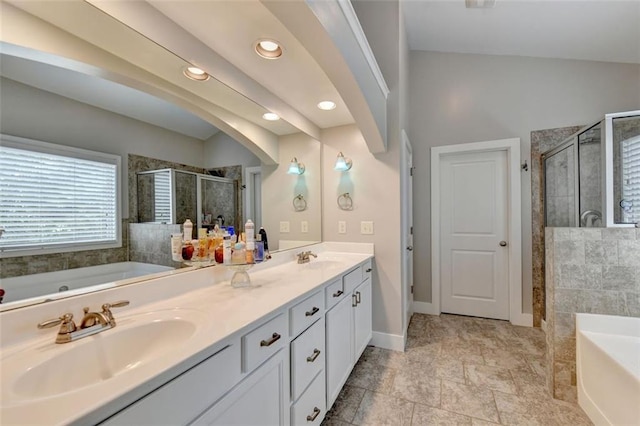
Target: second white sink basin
57, 369
322, 264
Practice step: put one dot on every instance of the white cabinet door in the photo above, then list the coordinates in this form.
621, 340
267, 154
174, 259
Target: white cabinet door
339, 344
261, 399
362, 318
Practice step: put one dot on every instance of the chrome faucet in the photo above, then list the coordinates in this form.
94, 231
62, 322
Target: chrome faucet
588, 218
303, 257
91, 323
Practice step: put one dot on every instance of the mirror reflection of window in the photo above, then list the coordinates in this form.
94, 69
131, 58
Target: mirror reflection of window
626, 182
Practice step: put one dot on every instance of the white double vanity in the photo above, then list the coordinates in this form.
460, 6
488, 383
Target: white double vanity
191, 349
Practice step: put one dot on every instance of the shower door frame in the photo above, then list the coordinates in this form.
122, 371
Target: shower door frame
570, 141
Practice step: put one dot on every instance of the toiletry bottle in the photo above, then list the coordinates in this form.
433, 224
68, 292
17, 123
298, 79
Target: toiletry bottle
259, 251
187, 230
250, 252
238, 256
176, 247
250, 231
226, 249
265, 242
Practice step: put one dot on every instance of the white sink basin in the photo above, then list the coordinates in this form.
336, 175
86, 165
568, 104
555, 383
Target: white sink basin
54, 369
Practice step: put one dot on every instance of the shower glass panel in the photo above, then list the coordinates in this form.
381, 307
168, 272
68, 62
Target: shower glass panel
154, 197
219, 198
590, 181
560, 183
626, 169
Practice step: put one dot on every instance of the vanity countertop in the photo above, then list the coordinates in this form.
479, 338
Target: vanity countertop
220, 311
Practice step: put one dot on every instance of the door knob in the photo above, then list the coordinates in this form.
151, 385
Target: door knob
410, 248
503, 243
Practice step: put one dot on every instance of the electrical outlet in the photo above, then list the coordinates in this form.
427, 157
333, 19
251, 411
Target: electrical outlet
342, 227
366, 228
284, 227
304, 226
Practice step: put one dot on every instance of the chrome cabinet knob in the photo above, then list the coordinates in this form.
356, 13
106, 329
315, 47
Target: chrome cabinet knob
410, 248
503, 243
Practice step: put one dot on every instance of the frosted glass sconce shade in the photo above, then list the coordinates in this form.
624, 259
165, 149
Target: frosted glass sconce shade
295, 168
343, 164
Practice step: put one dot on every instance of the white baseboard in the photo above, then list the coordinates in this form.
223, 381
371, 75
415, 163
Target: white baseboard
543, 325
525, 320
424, 308
392, 342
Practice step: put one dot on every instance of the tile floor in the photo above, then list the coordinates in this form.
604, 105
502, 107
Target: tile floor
456, 371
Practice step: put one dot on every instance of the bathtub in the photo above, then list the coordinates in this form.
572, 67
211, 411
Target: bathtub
608, 368
51, 285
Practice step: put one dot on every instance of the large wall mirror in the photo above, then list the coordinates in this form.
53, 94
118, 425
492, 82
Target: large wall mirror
57, 99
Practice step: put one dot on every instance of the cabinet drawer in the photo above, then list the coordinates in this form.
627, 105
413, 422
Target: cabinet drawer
310, 408
264, 341
352, 279
307, 358
186, 396
333, 293
366, 269
306, 313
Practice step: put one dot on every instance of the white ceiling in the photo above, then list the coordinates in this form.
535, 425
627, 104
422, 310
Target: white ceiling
105, 94
603, 30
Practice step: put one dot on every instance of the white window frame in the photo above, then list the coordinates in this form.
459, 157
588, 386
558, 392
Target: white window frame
67, 151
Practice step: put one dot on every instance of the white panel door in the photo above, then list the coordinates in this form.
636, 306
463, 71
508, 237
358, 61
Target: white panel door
473, 228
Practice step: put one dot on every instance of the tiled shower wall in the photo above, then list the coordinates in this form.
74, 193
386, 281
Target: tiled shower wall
588, 270
150, 243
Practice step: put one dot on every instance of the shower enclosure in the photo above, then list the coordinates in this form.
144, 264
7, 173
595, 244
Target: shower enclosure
592, 179
173, 196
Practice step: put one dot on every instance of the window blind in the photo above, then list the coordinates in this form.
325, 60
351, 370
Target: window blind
49, 200
631, 177
162, 197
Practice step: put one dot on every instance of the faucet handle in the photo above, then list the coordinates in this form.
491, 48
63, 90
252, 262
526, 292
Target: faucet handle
106, 309
68, 326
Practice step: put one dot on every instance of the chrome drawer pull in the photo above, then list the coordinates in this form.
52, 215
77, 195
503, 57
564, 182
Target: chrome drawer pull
312, 417
368, 270
316, 353
274, 338
338, 293
357, 297
354, 301
312, 312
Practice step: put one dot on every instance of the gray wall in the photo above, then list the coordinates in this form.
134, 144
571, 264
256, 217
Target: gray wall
459, 98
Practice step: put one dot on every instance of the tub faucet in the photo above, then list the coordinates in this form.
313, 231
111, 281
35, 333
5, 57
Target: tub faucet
303, 257
588, 218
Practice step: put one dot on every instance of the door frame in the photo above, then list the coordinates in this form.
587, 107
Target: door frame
514, 214
404, 187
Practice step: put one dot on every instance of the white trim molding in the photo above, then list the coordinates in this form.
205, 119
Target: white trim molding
512, 147
352, 19
394, 342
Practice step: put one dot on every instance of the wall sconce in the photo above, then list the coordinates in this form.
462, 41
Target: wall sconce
296, 168
342, 163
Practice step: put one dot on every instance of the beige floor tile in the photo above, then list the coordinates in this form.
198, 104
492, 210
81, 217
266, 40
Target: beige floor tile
469, 400
448, 368
478, 422
330, 421
347, 403
427, 416
494, 378
504, 359
377, 409
424, 353
417, 386
371, 376
529, 383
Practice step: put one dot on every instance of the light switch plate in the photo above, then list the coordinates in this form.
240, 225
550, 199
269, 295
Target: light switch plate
366, 228
342, 227
284, 227
304, 226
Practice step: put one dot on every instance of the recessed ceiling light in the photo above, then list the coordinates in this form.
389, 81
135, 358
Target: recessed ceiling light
268, 49
195, 73
326, 105
270, 116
